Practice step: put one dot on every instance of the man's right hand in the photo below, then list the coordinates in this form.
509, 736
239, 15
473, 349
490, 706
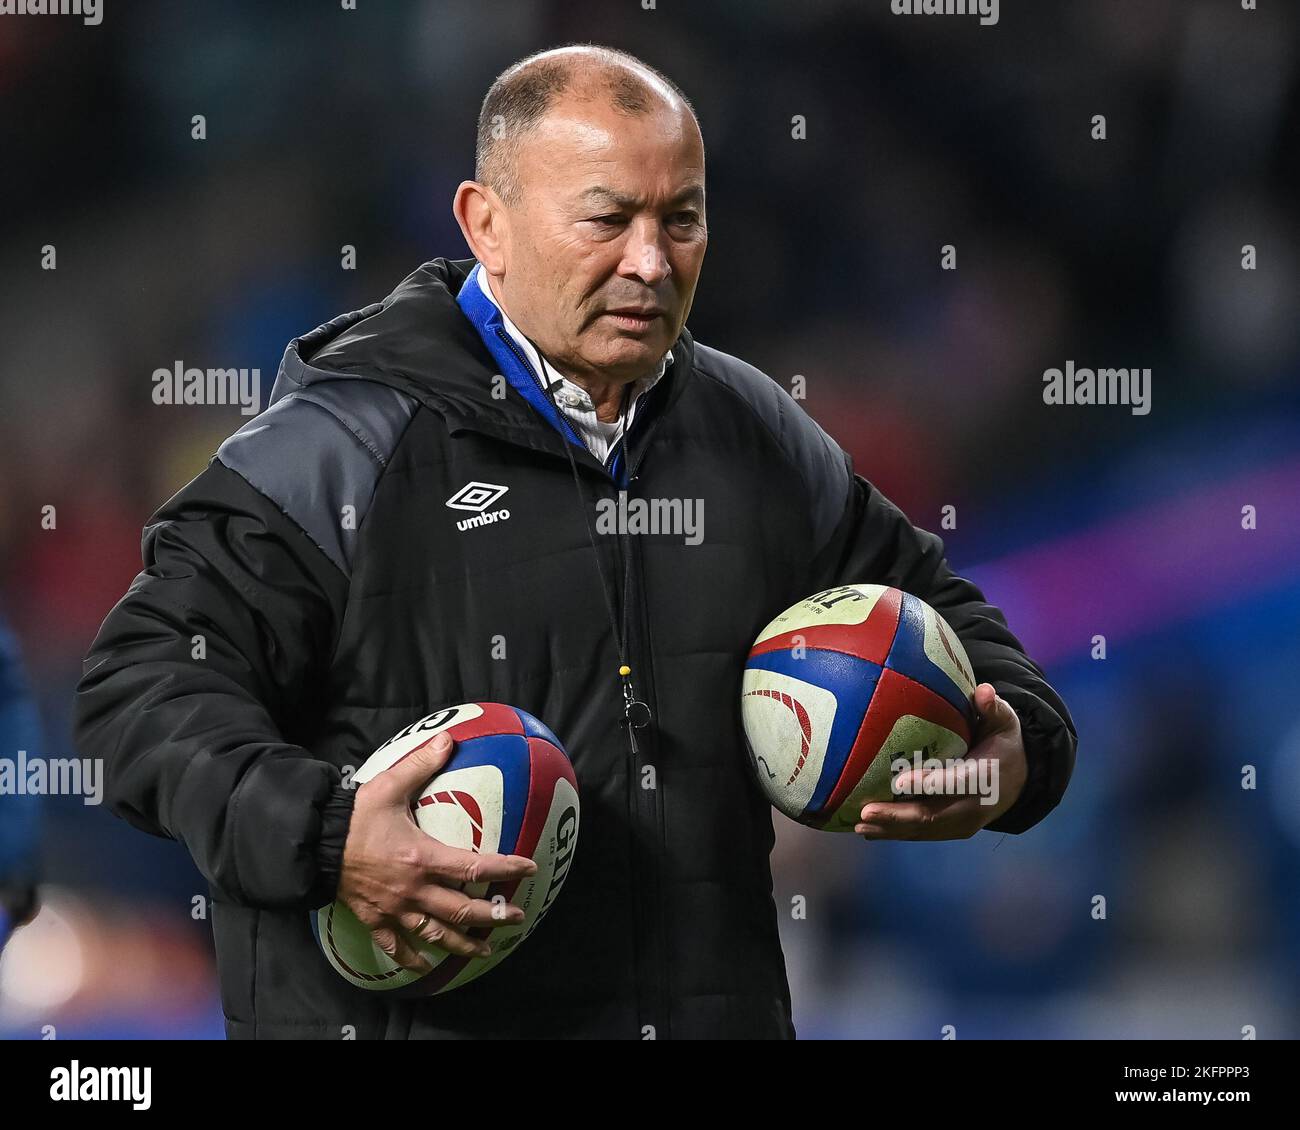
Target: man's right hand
394, 874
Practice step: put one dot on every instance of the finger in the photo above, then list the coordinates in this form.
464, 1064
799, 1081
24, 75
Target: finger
996, 714
441, 935
411, 772
936, 818
450, 866
957, 776
401, 950
909, 782
464, 913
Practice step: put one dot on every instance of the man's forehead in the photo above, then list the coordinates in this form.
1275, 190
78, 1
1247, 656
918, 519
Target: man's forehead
592, 122
588, 152
690, 193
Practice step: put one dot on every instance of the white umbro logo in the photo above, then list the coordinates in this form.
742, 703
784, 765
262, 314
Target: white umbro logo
478, 497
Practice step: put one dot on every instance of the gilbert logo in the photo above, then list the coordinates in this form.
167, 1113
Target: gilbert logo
478, 497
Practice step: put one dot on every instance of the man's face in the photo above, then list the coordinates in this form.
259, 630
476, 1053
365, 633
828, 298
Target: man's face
611, 219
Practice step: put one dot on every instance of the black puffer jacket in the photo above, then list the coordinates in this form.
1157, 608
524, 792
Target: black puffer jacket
338, 600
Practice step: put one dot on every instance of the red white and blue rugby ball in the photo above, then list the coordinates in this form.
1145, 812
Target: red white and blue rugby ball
508, 787
841, 686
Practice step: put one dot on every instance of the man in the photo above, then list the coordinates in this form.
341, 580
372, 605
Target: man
320, 586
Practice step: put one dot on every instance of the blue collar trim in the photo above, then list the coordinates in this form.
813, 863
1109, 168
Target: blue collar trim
486, 317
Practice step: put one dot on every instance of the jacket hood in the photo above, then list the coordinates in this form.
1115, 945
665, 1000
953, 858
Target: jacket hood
419, 341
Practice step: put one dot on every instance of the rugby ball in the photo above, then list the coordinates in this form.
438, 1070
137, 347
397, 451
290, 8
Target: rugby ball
509, 788
844, 686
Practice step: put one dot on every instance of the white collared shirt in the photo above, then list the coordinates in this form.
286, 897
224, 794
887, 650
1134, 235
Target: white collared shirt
572, 398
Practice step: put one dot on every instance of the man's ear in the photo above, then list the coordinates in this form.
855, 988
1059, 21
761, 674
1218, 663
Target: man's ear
484, 224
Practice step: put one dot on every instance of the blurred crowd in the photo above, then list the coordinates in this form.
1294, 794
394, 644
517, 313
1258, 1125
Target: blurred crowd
328, 128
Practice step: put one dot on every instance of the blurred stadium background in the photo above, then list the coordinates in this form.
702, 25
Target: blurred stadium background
329, 127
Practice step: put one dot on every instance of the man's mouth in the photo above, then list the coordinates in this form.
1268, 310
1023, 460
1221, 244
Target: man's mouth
635, 318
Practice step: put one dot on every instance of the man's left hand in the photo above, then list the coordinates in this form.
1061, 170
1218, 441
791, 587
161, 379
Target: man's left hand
955, 813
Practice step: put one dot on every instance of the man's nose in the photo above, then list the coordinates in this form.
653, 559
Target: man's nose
644, 257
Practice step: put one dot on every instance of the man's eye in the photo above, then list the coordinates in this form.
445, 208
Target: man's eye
685, 219
607, 220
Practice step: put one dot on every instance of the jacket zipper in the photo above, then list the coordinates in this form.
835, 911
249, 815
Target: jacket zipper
647, 913
647, 683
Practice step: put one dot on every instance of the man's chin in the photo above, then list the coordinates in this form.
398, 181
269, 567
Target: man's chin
625, 356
